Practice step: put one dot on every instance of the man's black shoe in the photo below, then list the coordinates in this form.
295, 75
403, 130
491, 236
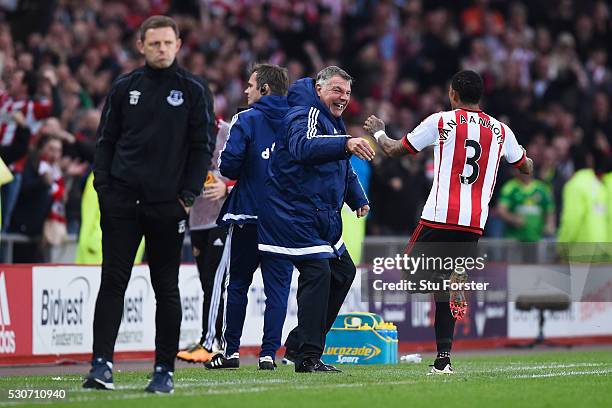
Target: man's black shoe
441, 366
266, 363
100, 376
290, 357
314, 365
219, 361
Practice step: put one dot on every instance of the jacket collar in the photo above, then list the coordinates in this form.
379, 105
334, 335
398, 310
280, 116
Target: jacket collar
160, 72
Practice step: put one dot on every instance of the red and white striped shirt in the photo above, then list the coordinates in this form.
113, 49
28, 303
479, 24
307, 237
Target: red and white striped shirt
467, 148
34, 112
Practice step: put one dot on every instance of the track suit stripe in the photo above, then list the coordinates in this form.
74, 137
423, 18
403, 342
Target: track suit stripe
218, 290
228, 244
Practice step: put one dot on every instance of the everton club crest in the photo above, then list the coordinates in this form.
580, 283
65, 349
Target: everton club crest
175, 98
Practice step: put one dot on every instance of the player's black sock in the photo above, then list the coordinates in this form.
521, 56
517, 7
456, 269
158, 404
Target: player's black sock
445, 327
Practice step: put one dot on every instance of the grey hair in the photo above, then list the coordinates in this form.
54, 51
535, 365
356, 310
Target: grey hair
327, 73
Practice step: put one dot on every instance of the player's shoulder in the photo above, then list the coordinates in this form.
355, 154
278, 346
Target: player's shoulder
434, 118
440, 118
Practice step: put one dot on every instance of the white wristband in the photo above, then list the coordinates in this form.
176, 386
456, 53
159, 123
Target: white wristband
378, 134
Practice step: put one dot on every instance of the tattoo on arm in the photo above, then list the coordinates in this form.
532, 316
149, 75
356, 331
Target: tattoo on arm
392, 148
526, 167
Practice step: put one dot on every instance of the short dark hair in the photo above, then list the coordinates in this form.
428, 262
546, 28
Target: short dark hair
157, 22
275, 76
469, 86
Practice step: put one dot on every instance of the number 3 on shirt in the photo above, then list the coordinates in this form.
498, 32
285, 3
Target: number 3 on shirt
472, 161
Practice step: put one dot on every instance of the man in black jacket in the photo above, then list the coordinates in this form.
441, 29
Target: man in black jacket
154, 145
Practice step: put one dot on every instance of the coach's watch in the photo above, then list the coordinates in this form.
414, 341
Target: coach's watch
187, 197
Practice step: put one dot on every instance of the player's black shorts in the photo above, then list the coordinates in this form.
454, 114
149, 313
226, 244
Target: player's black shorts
440, 251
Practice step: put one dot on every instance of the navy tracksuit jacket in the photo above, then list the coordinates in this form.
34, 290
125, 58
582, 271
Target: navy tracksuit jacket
245, 158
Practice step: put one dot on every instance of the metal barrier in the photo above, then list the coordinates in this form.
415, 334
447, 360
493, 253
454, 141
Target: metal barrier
60, 254
497, 249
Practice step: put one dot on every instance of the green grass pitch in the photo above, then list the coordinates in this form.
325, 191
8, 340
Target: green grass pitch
551, 379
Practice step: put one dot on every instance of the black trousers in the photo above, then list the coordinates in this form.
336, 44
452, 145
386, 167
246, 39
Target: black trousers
442, 243
322, 287
207, 246
124, 222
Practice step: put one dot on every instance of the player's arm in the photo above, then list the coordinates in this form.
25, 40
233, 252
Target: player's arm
425, 134
392, 148
376, 128
527, 166
515, 154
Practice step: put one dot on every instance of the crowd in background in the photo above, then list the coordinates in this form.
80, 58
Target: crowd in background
545, 65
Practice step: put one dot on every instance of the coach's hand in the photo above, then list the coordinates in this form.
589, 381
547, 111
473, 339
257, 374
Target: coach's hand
187, 209
215, 190
360, 148
363, 211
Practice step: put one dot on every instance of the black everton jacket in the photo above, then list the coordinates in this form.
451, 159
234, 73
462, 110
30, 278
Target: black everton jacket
156, 134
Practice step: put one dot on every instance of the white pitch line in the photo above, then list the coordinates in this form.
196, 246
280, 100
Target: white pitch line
266, 385
564, 374
542, 367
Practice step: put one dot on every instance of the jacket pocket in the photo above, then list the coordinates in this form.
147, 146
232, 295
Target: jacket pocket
324, 224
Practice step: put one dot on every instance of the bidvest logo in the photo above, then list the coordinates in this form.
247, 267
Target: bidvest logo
7, 337
353, 354
191, 302
134, 300
65, 310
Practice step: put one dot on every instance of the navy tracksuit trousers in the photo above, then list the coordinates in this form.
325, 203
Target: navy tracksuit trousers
244, 258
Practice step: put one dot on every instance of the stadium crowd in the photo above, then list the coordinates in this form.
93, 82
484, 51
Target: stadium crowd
544, 62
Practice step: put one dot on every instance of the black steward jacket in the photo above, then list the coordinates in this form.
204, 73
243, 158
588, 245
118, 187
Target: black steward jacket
156, 136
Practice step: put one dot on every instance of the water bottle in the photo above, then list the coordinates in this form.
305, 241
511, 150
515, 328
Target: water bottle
411, 358
394, 343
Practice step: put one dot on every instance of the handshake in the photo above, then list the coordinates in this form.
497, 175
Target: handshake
361, 147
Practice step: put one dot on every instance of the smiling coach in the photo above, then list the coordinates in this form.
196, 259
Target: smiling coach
154, 145
310, 179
